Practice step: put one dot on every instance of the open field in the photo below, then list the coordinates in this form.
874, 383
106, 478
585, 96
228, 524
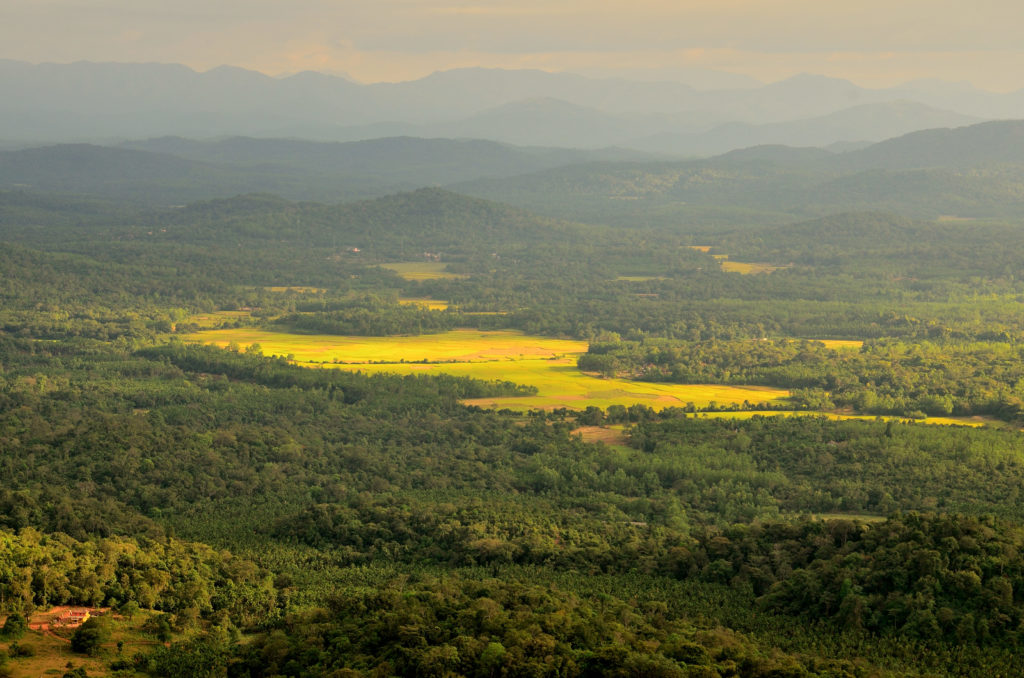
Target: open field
548, 364
747, 268
859, 517
422, 270
457, 346
836, 344
429, 304
841, 344
560, 384
639, 278
609, 435
218, 318
946, 421
301, 289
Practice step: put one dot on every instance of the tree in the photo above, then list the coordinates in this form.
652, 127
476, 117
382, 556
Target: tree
129, 609
14, 626
90, 636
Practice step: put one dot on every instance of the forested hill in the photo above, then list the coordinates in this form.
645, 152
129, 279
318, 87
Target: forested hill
975, 171
390, 159
174, 171
877, 242
429, 219
962, 147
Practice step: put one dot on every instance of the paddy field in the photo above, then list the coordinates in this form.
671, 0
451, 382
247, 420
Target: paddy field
545, 363
548, 364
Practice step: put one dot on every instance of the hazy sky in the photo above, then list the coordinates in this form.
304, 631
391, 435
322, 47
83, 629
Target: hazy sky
872, 42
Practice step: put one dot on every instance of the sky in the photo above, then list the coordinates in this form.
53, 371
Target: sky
874, 43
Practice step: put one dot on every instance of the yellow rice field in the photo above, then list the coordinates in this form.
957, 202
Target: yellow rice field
841, 344
548, 364
429, 304
944, 421
747, 268
560, 384
422, 270
457, 346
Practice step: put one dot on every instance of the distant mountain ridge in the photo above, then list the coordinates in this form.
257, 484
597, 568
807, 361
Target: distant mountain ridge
95, 101
974, 171
172, 170
968, 171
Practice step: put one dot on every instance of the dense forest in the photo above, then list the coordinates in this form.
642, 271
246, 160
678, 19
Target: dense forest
287, 521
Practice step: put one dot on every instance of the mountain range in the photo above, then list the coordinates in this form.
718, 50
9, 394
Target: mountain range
971, 171
106, 102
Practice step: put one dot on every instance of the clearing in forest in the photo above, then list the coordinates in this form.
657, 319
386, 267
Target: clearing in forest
429, 304
841, 344
456, 346
422, 270
748, 268
218, 318
548, 364
300, 289
945, 421
51, 645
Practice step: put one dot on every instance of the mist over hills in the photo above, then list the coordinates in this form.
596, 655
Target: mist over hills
974, 171
968, 172
172, 170
106, 101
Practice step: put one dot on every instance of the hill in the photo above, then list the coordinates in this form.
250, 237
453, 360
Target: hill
170, 170
973, 171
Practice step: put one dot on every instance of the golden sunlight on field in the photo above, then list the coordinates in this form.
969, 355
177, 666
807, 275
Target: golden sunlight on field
548, 364
423, 270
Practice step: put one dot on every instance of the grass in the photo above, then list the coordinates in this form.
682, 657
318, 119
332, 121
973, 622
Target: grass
301, 289
423, 270
841, 344
560, 384
218, 318
752, 268
457, 346
747, 268
548, 364
945, 421
639, 278
429, 304
858, 517
609, 435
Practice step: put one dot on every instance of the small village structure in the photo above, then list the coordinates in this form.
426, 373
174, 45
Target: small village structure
72, 618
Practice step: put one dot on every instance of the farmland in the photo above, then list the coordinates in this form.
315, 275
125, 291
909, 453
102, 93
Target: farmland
545, 363
423, 270
548, 364
747, 268
429, 304
458, 346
